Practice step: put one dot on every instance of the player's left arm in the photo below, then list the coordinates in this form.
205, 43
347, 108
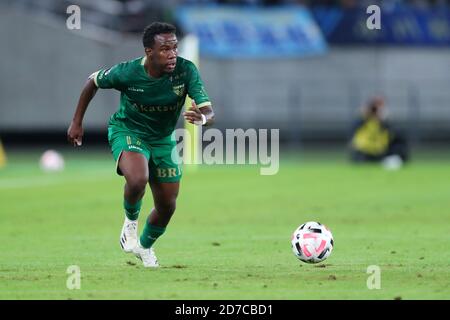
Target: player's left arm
201, 111
200, 116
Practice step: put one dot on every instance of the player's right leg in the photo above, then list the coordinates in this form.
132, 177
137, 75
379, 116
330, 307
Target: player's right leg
131, 156
134, 167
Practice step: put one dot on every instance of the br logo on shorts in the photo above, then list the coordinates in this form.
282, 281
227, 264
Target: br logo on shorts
166, 172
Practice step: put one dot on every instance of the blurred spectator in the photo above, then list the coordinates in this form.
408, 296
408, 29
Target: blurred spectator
372, 137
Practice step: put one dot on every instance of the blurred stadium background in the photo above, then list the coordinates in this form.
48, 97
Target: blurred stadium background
304, 67
311, 90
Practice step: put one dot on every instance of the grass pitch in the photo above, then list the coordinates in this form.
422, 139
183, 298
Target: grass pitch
230, 235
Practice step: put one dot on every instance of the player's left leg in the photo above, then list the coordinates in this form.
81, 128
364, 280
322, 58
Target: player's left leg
164, 179
164, 198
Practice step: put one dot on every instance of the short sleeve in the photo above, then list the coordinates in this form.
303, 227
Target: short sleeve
196, 89
108, 78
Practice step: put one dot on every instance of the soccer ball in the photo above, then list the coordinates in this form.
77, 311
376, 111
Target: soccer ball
312, 242
51, 161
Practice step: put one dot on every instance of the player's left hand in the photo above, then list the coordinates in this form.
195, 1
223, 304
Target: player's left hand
194, 115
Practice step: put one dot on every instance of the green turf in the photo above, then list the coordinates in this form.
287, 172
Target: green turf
230, 236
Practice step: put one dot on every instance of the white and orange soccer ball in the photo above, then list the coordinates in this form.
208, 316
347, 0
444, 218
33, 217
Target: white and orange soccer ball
312, 242
51, 161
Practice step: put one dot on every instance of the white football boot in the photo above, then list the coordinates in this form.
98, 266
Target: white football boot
128, 236
147, 256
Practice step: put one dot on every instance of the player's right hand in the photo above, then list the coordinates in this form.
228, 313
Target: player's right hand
75, 134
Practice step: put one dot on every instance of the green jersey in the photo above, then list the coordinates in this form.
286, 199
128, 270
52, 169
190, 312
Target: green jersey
150, 107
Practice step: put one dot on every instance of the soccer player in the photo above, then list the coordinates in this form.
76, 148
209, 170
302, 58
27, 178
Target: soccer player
153, 90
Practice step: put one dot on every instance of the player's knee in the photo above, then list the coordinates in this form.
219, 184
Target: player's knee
166, 207
137, 184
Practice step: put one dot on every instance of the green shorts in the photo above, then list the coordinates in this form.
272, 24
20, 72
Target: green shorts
162, 168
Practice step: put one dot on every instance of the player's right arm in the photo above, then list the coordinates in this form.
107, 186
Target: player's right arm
75, 131
103, 79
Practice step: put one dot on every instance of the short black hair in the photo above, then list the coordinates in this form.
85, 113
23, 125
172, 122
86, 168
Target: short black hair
150, 31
